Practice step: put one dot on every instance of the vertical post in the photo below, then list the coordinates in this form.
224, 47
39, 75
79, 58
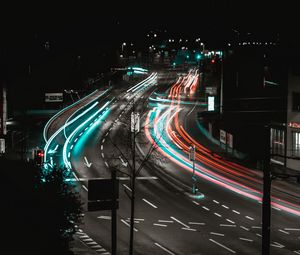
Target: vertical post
221, 85
114, 214
266, 212
132, 184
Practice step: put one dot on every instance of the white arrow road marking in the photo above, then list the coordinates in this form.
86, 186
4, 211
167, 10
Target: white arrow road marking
123, 162
87, 163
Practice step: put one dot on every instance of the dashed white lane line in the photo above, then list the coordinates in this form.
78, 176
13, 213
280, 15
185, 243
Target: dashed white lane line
217, 202
292, 229
227, 225
104, 217
195, 202
166, 221
205, 208
149, 203
106, 163
91, 243
256, 227
245, 239
278, 209
83, 186
285, 232
128, 225
165, 249
189, 229
277, 245
87, 240
219, 215
102, 147
297, 252
247, 229
236, 212
102, 154
258, 234
216, 234
221, 245
231, 221
226, 207
197, 223
103, 140
248, 217
159, 225
127, 187
173, 218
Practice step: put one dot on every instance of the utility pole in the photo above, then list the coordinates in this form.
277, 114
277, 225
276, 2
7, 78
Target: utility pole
135, 128
114, 213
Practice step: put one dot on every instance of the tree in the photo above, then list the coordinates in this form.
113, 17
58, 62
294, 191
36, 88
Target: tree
40, 209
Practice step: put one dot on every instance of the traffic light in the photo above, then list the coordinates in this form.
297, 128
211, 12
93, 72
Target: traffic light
38, 156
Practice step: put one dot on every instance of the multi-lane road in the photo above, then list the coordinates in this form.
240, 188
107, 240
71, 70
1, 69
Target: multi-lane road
224, 217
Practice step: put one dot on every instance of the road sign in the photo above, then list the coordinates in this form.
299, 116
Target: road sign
102, 205
102, 189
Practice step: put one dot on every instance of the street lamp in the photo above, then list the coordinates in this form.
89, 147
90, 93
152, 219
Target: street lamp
123, 44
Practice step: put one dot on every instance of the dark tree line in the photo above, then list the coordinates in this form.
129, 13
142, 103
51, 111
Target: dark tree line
39, 210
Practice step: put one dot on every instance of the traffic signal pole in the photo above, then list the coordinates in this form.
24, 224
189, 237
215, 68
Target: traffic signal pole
266, 210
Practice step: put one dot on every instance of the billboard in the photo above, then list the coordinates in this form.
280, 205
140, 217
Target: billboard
53, 97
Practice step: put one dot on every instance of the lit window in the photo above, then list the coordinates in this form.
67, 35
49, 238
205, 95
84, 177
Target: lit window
296, 144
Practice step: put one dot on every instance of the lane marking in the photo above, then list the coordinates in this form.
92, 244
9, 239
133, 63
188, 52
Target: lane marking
283, 231
166, 221
173, 218
297, 252
128, 225
196, 223
101, 146
258, 235
226, 207
216, 234
149, 203
104, 217
205, 208
159, 225
165, 249
227, 225
83, 186
245, 239
247, 229
127, 187
278, 209
96, 246
139, 178
217, 202
103, 140
102, 154
189, 229
236, 212
223, 246
277, 245
248, 217
195, 202
292, 229
219, 215
106, 163
256, 227
232, 222
91, 243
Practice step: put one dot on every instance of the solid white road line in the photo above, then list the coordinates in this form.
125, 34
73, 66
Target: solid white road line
149, 203
165, 249
223, 246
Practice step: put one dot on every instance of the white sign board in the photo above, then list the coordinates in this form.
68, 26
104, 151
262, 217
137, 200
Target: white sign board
222, 136
135, 122
229, 140
53, 97
211, 103
2, 145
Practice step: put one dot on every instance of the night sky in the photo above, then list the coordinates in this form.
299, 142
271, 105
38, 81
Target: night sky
92, 30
